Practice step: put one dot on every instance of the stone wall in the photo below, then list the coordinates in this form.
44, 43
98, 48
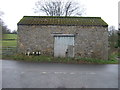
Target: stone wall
89, 41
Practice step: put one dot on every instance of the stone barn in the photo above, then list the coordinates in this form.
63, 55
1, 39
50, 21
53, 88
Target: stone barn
64, 36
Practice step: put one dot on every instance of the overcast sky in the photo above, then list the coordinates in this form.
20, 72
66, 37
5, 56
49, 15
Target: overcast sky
14, 10
119, 15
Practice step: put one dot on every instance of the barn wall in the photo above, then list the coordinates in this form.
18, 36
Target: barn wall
89, 41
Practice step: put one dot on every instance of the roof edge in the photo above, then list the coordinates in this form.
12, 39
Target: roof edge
60, 17
59, 25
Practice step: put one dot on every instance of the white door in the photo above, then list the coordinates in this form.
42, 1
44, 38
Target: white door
64, 45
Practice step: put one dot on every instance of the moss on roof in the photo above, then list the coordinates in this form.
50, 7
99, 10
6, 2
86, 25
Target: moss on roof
62, 20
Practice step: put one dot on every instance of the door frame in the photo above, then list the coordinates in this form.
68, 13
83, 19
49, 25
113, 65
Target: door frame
65, 35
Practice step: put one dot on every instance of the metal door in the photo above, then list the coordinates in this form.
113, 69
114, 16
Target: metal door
64, 45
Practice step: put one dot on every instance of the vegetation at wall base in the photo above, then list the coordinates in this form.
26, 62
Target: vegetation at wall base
50, 59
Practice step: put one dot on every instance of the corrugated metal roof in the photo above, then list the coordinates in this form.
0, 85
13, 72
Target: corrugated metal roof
61, 20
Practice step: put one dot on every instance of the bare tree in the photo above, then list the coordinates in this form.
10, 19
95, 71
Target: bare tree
113, 37
59, 8
1, 13
5, 30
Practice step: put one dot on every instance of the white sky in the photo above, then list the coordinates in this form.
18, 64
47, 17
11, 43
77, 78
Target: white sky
119, 14
14, 10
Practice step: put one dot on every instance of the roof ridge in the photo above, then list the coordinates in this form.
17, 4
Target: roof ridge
61, 17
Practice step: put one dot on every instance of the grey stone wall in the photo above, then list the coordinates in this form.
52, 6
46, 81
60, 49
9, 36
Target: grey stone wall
89, 41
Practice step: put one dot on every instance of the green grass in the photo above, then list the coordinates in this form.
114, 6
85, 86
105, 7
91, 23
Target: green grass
11, 40
0, 43
50, 59
10, 36
9, 43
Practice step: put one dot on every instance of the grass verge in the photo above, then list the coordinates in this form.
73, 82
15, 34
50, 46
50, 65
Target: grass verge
50, 59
